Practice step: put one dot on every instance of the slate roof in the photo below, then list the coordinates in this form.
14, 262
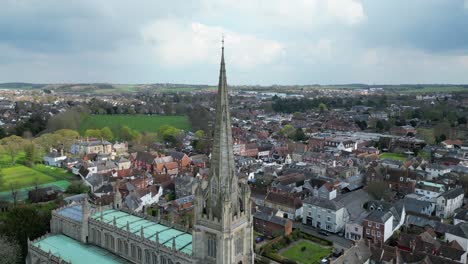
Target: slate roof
359, 253
144, 157
462, 215
453, 193
324, 203
271, 218
291, 178
97, 179
284, 199
414, 205
460, 230
54, 154
94, 143
450, 252
177, 155
379, 216
354, 203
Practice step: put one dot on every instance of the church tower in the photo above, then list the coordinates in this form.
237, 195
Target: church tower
223, 222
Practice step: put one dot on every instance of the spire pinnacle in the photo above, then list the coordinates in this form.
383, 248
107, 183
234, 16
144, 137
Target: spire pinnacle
222, 41
223, 179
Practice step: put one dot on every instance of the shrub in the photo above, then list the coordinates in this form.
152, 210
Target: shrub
289, 261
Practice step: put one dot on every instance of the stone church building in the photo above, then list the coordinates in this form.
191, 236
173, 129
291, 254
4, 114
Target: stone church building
222, 234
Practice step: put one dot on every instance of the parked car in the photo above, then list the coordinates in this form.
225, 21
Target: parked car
323, 232
259, 239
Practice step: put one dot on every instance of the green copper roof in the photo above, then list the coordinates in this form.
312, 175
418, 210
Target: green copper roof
432, 184
75, 252
165, 234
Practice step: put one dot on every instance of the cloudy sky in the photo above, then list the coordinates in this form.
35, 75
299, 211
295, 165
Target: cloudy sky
267, 41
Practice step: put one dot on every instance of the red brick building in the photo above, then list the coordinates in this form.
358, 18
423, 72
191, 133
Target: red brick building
271, 226
142, 160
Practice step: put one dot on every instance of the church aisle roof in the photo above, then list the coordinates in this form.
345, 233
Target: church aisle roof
73, 212
135, 223
75, 252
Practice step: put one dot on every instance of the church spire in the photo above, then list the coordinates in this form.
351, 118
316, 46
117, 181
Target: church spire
223, 180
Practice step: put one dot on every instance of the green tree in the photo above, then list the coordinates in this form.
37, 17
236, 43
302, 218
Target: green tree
66, 138
107, 134
169, 134
170, 196
200, 134
442, 128
380, 126
287, 131
323, 107
148, 138
47, 141
299, 134
93, 133
12, 145
30, 153
129, 134
77, 187
70, 119
26, 221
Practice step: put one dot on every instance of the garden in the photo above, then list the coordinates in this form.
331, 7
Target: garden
297, 248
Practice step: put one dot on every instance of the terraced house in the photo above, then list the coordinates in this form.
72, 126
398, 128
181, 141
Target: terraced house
222, 231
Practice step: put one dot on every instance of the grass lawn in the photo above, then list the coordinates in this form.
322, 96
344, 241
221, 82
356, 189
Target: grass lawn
22, 176
138, 122
5, 159
393, 156
312, 254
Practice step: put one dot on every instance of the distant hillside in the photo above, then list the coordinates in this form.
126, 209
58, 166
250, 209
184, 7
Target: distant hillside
110, 89
21, 86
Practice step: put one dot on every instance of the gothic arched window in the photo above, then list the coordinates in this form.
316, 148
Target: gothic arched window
212, 246
239, 244
139, 253
147, 256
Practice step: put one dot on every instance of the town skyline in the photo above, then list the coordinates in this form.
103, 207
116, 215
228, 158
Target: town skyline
303, 42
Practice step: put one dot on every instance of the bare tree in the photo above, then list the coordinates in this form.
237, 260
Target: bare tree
14, 192
10, 251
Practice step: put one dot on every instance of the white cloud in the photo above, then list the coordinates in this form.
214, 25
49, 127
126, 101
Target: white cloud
398, 65
291, 13
181, 43
466, 4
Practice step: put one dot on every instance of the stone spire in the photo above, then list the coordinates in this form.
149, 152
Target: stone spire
223, 179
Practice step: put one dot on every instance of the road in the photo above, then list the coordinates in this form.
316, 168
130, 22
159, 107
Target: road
339, 242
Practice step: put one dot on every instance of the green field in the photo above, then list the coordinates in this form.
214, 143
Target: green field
22, 176
393, 156
129, 88
140, 123
434, 89
312, 254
